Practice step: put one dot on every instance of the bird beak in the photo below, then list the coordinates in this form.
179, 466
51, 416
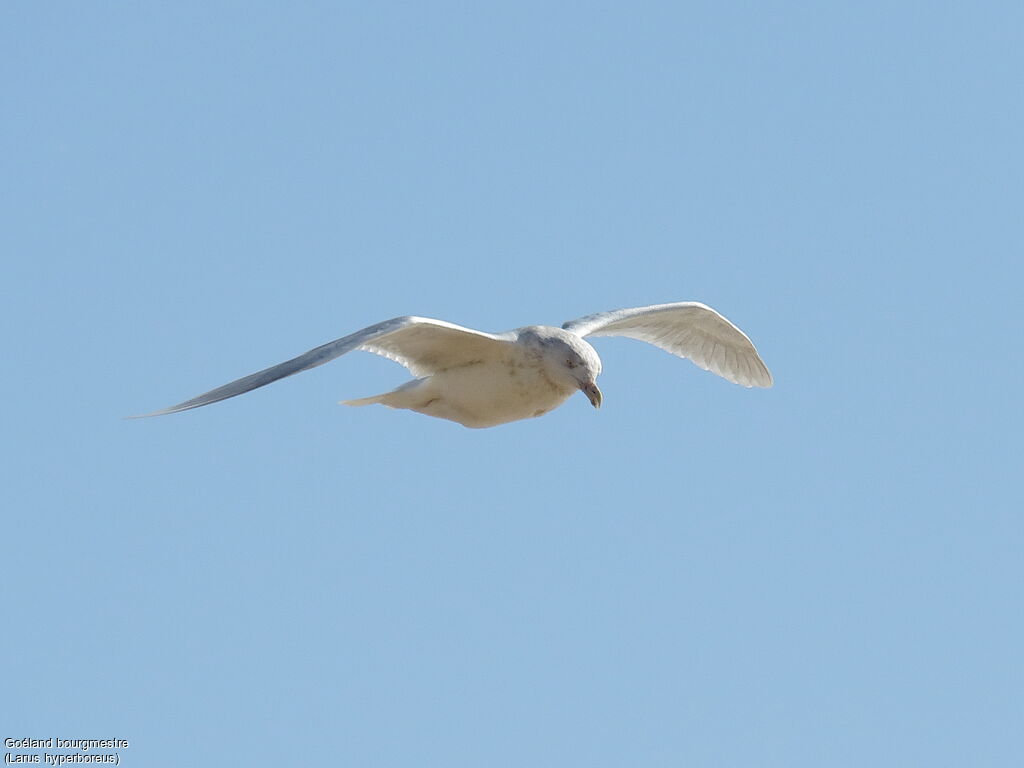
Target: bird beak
592, 393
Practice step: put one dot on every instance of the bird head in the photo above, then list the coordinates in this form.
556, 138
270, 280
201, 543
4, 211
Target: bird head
569, 361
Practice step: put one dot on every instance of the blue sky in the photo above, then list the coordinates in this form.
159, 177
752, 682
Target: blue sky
827, 573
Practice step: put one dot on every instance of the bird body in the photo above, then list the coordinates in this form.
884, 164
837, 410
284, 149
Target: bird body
481, 393
481, 380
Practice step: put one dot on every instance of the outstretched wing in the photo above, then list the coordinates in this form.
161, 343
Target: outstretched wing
687, 329
422, 345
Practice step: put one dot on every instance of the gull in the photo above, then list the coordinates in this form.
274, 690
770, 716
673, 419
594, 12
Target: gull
482, 379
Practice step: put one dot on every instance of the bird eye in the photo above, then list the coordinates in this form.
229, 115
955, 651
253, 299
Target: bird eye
570, 363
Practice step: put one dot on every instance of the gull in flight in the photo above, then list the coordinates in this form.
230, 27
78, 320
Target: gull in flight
484, 379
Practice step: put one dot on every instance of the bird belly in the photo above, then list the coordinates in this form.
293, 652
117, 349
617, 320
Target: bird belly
479, 395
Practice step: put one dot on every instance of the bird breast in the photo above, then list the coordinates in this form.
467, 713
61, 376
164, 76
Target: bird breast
484, 394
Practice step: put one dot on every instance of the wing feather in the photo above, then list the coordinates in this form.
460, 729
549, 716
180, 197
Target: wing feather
687, 329
422, 345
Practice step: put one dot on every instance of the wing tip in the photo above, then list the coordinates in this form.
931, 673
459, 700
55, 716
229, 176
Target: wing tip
765, 381
161, 412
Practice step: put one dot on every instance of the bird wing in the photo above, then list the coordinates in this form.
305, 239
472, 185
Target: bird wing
687, 329
422, 345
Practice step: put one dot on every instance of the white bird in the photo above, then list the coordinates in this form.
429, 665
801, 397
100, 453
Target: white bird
482, 379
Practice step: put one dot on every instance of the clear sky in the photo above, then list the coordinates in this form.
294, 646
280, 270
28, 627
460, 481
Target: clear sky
827, 573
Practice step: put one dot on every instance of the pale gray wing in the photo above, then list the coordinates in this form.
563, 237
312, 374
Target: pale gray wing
687, 329
420, 344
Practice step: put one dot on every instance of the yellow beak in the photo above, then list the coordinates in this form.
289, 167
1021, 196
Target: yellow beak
593, 394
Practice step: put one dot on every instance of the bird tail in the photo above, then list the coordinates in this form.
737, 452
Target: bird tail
406, 396
364, 400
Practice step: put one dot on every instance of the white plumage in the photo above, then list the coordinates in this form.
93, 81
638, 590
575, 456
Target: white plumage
480, 379
686, 329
